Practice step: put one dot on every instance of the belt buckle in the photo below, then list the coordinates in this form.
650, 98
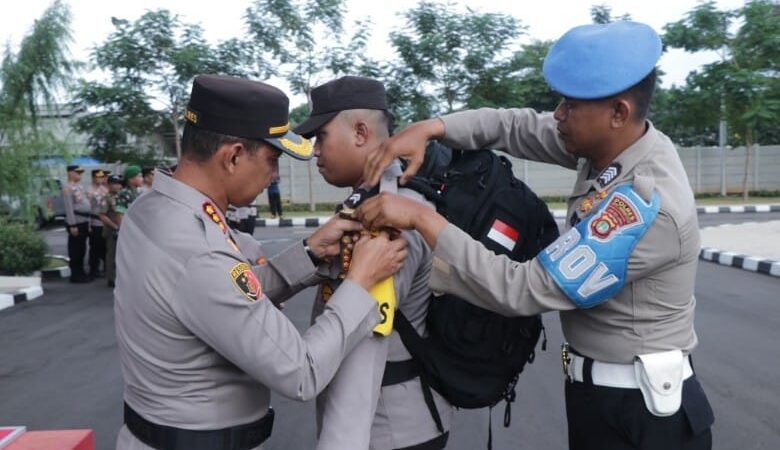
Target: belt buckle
566, 361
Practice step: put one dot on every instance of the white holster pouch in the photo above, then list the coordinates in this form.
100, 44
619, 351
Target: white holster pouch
660, 377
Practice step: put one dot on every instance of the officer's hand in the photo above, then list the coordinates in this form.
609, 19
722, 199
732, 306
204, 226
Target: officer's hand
74, 231
326, 241
375, 259
409, 144
390, 211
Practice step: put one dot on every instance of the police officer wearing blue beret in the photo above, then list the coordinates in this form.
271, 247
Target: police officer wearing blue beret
201, 340
622, 275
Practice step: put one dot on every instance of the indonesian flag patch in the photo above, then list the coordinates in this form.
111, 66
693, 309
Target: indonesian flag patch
246, 281
503, 235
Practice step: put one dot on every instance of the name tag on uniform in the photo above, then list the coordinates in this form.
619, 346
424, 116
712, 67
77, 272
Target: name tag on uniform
589, 263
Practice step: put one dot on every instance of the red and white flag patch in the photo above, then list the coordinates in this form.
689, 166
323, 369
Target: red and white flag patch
503, 235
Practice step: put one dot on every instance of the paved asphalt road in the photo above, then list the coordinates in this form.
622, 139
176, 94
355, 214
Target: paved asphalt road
59, 368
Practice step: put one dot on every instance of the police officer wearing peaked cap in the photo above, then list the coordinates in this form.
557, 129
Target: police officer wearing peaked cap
77, 213
622, 275
201, 340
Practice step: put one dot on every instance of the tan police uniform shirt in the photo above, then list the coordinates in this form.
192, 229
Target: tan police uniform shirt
201, 344
653, 311
97, 200
355, 411
76, 200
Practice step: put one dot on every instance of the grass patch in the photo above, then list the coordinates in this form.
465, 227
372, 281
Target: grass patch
51, 262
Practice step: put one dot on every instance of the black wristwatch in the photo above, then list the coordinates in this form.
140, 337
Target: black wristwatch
314, 260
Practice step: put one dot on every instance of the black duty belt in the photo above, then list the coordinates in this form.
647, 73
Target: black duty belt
162, 437
83, 214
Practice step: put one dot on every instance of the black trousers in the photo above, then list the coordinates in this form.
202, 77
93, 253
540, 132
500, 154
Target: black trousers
77, 249
616, 419
97, 250
275, 203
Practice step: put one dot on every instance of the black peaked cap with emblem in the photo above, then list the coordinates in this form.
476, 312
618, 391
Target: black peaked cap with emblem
342, 94
75, 168
246, 109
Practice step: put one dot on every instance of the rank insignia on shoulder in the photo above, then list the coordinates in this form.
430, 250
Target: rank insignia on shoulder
211, 211
246, 281
609, 174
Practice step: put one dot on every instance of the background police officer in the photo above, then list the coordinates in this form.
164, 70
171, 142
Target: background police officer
622, 275
98, 193
200, 338
77, 213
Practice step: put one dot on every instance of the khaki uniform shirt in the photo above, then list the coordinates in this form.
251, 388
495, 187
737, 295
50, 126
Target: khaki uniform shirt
653, 311
97, 199
200, 342
355, 411
76, 200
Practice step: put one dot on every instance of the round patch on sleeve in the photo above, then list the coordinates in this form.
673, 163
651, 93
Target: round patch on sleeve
246, 281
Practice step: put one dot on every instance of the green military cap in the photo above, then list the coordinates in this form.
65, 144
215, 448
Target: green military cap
131, 171
246, 109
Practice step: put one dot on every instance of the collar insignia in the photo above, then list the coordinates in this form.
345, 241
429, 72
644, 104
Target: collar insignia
609, 174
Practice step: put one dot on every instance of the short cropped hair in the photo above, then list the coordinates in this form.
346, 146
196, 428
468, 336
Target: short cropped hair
381, 119
642, 93
200, 145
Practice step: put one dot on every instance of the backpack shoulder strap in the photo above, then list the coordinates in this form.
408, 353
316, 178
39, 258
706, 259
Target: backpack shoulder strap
414, 343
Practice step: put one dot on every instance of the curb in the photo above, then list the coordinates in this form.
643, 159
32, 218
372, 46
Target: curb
58, 273
738, 209
20, 296
744, 262
294, 222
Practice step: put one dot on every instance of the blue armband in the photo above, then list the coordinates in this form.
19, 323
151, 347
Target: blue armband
590, 261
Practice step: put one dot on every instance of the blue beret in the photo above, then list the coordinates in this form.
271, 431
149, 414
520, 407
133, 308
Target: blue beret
600, 60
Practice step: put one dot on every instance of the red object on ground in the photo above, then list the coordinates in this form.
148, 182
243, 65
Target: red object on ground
54, 440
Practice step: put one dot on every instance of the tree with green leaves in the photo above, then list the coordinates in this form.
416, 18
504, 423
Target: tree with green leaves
448, 59
308, 41
743, 86
29, 79
603, 14
518, 82
151, 63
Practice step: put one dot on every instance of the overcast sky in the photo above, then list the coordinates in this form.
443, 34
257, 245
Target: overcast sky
545, 19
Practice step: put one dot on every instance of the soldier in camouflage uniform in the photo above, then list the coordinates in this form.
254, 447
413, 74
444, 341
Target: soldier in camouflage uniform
109, 217
129, 193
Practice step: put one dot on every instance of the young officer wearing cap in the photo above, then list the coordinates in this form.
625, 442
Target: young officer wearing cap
77, 213
201, 340
97, 193
372, 402
623, 273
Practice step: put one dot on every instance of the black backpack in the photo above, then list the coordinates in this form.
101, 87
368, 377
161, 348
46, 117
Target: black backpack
472, 356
